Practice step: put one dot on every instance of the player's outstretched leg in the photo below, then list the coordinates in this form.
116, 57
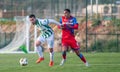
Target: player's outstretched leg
83, 59
80, 55
63, 58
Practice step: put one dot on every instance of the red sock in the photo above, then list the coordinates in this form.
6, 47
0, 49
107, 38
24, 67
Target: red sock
82, 58
64, 56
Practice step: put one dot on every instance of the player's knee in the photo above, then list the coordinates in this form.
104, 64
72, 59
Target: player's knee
64, 52
37, 43
77, 52
64, 48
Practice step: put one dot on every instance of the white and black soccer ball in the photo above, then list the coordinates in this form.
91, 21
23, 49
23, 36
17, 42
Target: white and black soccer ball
23, 61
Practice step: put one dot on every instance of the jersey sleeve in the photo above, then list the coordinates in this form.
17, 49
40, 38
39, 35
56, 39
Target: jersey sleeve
54, 22
75, 24
61, 20
75, 21
45, 21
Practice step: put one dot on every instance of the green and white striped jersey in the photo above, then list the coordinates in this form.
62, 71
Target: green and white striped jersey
46, 30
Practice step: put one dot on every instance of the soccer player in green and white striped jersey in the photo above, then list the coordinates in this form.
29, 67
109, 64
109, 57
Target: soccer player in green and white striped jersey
46, 34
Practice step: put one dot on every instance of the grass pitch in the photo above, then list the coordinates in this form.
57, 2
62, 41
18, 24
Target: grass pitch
99, 62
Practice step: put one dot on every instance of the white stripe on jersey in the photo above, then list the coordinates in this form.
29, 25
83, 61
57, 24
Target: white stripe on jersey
45, 29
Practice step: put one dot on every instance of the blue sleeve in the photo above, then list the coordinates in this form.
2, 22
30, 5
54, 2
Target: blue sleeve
61, 20
75, 21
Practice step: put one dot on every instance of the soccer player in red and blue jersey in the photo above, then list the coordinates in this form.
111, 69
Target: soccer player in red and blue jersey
69, 23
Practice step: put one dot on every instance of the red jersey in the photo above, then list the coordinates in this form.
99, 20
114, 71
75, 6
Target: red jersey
68, 38
67, 32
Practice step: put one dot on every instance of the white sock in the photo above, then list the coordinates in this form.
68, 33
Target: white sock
51, 56
39, 51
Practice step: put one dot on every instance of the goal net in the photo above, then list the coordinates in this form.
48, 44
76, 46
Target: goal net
21, 36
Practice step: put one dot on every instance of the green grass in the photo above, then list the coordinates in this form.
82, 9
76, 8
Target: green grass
99, 62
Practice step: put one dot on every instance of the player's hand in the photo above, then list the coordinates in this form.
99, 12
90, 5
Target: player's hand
62, 26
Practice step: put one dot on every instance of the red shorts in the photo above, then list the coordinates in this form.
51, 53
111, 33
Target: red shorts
70, 42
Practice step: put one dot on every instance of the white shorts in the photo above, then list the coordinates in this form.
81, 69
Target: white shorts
50, 40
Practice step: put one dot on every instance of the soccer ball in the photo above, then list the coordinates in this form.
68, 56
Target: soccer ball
23, 61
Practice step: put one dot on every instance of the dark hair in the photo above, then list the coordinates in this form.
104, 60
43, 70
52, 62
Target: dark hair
68, 10
32, 15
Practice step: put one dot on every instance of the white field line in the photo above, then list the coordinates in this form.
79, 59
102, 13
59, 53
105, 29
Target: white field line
105, 64
93, 64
